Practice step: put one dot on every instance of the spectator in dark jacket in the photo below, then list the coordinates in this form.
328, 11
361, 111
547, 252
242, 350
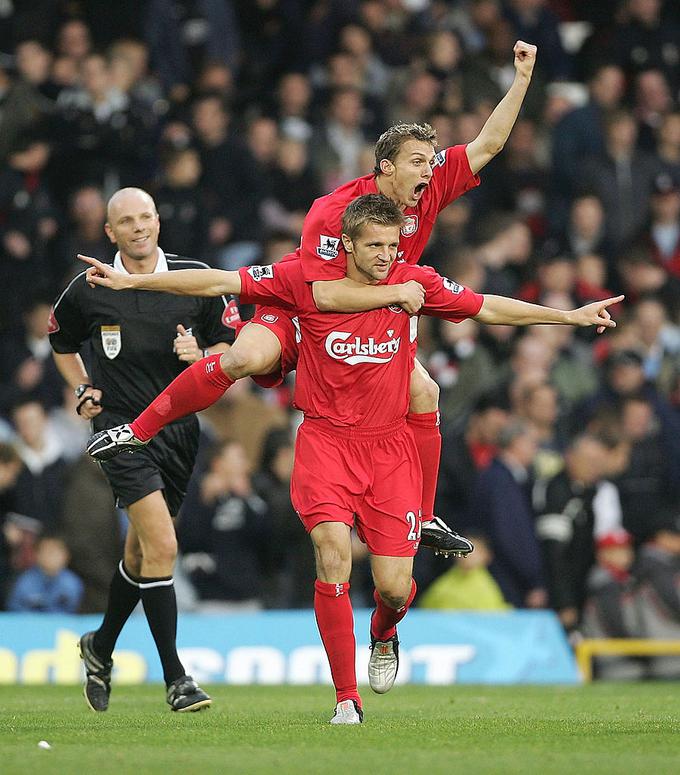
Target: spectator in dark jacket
658, 573
502, 506
182, 205
40, 487
223, 530
182, 34
621, 177
569, 519
580, 133
27, 362
290, 563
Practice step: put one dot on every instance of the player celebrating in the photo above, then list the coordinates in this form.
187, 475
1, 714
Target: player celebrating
421, 182
355, 452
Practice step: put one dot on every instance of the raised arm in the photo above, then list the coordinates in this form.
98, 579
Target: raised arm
347, 295
183, 282
500, 310
490, 141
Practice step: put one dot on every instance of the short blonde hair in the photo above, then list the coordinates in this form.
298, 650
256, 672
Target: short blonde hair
370, 208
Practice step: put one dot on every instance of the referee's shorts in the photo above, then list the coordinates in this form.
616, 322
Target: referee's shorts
164, 464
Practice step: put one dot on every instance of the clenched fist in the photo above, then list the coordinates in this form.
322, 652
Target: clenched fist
525, 58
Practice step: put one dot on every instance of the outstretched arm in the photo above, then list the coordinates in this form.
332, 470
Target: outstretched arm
496, 130
500, 310
183, 282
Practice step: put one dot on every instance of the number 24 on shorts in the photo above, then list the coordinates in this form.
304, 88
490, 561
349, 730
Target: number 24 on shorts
414, 525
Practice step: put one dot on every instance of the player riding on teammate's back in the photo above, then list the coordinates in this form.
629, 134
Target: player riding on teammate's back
421, 183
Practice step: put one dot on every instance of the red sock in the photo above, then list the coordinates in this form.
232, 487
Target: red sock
194, 389
384, 619
428, 438
335, 620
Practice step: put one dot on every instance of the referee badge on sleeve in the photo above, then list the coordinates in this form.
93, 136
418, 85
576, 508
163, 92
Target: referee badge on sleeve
111, 341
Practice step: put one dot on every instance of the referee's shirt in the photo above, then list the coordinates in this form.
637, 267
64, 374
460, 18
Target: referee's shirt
131, 360
131, 334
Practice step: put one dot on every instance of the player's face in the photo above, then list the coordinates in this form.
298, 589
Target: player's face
411, 171
373, 251
134, 226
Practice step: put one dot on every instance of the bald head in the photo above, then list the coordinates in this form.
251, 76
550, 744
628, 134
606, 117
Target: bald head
133, 225
125, 198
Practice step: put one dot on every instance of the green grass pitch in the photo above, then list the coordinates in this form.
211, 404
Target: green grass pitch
598, 729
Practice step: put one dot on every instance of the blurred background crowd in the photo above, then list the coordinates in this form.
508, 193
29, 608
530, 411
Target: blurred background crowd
561, 450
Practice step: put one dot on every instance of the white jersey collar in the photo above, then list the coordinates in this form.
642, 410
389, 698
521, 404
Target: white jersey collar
161, 264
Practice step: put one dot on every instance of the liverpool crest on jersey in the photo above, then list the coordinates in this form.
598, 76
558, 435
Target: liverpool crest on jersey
410, 226
111, 341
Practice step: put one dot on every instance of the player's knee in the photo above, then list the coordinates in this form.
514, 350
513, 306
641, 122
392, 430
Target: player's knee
424, 393
395, 593
237, 363
333, 561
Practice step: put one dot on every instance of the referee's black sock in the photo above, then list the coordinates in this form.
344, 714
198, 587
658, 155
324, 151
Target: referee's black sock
160, 607
123, 597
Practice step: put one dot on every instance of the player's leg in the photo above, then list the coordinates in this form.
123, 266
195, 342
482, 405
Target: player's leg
257, 350
394, 591
389, 522
323, 491
156, 532
423, 419
334, 616
96, 647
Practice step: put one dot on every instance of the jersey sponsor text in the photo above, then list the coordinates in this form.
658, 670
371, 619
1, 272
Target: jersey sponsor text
357, 351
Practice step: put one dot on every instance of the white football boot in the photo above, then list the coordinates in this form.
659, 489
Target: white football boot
383, 664
347, 712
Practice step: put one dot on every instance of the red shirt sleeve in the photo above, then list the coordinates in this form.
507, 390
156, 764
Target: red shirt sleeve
445, 298
271, 284
321, 251
451, 175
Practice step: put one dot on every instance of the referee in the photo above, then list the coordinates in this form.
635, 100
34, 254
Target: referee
138, 343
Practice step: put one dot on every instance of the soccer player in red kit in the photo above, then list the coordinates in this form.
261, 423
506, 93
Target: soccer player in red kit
422, 183
355, 456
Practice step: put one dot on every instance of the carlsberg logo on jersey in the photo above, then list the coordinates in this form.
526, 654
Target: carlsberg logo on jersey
340, 347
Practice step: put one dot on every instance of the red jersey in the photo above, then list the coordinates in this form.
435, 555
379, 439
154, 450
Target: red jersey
354, 369
321, 248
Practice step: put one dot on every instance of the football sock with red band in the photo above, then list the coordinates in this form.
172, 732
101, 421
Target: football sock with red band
196, 388
384, 620
428, 439
334, 617
123, 597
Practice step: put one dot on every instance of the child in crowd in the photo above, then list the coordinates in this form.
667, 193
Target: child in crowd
49, 585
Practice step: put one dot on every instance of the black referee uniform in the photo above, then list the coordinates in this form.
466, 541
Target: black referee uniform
131, 360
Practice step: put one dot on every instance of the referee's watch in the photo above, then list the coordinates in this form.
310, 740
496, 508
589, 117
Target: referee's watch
80, 390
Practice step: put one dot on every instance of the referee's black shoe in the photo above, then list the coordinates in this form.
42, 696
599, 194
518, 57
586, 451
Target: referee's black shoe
185, 694
107, 444
98, 675
437, 535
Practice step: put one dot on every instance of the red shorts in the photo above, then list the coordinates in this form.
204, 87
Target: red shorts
369, 477
284, 325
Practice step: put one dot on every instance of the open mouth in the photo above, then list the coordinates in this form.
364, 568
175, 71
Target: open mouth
418, 190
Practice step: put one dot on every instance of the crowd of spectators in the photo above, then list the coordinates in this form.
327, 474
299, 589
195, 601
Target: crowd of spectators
235, 115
